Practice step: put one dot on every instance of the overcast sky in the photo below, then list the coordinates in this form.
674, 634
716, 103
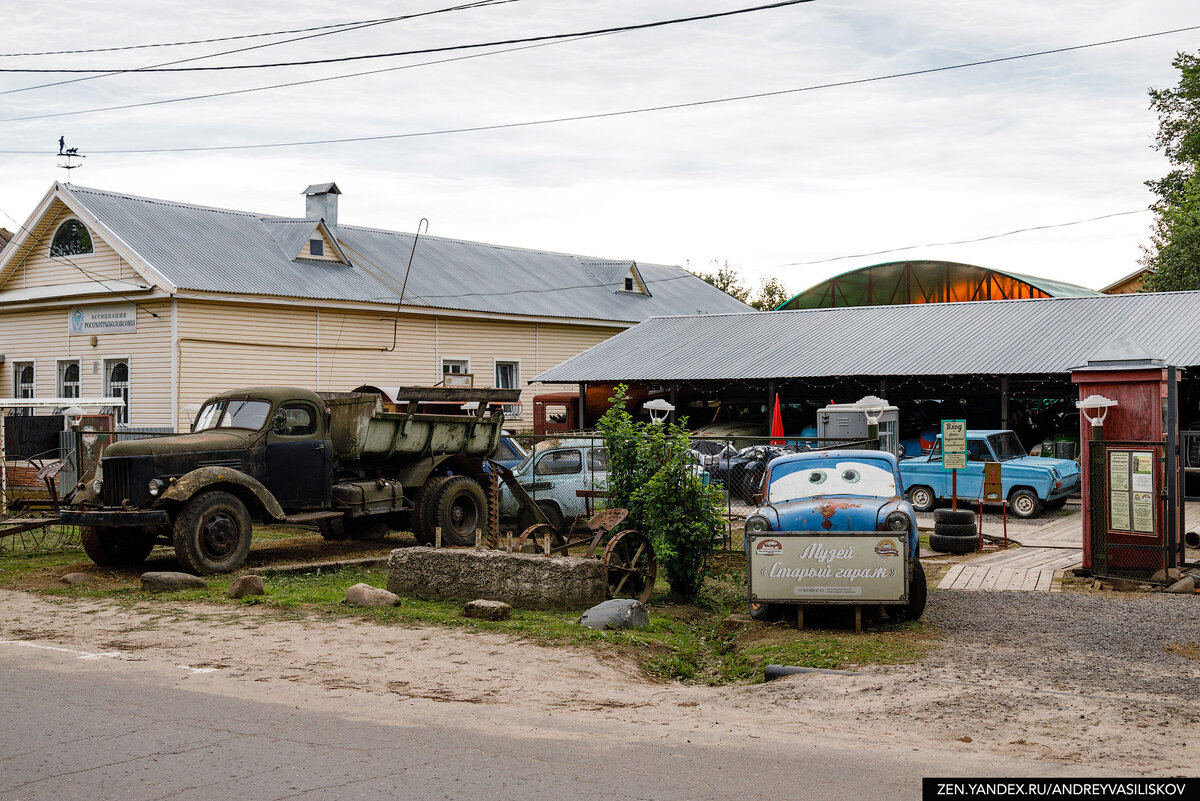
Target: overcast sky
762, 184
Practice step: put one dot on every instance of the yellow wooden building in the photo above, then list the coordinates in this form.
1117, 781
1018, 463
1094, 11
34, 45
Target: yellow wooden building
165, 303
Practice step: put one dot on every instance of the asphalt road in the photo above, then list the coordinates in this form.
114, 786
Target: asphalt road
93, 726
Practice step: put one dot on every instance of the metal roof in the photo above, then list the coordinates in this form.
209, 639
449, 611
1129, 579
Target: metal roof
1006, 337
221, 250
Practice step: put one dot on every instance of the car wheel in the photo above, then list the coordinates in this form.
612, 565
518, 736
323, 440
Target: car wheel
922, 498
1024, 503
110, 545
917, 595
767, 613
212, 534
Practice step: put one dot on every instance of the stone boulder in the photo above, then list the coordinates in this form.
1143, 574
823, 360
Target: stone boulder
525, 581
72, 579
487, 610
619, 613
1185, 586
242, 586
366, 595
167, 581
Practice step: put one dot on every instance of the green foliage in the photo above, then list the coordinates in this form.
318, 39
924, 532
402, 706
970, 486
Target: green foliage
728, 280
771, 294
1174, 251
651, 475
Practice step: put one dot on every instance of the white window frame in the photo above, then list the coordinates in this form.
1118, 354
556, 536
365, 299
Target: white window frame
120, 412
60, 366
456, 360
511, 410
17, 364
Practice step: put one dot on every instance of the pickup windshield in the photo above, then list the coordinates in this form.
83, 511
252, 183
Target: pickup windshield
251, 414
1006, 446
794, 480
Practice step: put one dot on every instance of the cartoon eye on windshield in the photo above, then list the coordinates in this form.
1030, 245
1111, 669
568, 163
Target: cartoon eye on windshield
850, 476
816, 477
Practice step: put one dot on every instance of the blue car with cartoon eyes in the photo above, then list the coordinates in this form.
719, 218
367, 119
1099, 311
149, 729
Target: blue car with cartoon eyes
831, 491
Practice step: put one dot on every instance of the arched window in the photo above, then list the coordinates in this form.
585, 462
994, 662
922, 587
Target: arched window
71, 239
116, 385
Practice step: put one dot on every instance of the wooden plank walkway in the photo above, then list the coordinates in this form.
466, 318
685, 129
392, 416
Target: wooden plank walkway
1026, 569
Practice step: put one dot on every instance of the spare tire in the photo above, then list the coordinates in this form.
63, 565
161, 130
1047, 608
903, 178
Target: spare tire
955, 545
953, 516
956, 529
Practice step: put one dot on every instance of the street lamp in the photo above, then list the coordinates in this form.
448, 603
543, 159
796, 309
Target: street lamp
1099, 405
659, 409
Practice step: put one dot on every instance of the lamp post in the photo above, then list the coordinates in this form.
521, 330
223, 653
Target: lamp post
659, 409
1099, 405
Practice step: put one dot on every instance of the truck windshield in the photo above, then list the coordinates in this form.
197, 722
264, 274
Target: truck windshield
808, 479
1006, 446
249, 414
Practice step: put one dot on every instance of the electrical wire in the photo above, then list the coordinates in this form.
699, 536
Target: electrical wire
619, 113
965, 241
161, 67
422, 51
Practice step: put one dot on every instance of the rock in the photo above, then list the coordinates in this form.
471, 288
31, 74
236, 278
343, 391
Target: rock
1166, 576
242, 586
74, 578
524, 581
366, 595
1185, 586
167, 581
619, 613
487, 610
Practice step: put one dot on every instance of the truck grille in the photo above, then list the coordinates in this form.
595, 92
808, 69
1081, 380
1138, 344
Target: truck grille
118, 481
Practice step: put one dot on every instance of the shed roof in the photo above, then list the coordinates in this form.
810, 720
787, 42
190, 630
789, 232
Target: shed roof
222, 250
1009, 337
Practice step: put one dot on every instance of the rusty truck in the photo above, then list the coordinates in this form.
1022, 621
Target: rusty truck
289, 455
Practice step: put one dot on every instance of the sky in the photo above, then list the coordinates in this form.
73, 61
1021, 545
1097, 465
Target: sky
799, 185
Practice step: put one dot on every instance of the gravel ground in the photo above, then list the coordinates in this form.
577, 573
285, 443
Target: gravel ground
1080, 643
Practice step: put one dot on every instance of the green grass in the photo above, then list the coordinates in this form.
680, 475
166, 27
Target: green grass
695, 643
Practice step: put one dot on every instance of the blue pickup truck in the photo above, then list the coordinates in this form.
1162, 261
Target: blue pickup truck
1030, 483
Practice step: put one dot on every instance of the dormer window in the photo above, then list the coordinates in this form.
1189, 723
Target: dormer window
629, 283
316, 247
71, 239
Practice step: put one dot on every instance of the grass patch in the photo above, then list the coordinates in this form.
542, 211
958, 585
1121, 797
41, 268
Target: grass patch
696, 643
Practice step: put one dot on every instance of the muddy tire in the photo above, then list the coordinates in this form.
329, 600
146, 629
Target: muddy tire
922, 498
424, 516
116, 546
918, 592
461, 508
212, 534
1024, 503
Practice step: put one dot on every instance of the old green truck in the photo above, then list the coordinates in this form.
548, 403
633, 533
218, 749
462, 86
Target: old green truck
289, 455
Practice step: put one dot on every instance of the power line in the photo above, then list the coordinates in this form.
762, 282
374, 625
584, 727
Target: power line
965, 241
623, 112
422, 51
290, 84
161, 67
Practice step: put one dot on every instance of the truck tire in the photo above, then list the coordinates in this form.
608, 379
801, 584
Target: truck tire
107, 545
922, 498
333, 529
1024, 503
953, 516
212, 533
460, 509
371, 528
424, 516
918, 592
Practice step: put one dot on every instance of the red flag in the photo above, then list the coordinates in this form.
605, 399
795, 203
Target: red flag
777, 424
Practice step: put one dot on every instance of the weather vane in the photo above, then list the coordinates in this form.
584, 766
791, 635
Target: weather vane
70, 153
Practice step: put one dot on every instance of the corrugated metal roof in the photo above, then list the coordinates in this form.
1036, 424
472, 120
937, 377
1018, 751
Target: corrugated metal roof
1005, 337
221, 250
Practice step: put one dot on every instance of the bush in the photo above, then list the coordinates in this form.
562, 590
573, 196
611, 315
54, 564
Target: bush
650, 473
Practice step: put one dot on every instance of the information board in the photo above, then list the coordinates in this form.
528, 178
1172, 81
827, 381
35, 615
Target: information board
1131, 491
954, 444
850, 567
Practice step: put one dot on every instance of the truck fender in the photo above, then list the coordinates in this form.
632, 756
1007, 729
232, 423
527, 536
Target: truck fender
251, 491
415, 475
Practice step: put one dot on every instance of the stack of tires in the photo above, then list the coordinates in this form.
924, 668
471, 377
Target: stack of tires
954, 531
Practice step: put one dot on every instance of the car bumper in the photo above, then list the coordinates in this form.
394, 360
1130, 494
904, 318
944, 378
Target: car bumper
114, 518
1070, 487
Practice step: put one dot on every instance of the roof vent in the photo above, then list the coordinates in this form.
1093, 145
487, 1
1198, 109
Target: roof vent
321, 203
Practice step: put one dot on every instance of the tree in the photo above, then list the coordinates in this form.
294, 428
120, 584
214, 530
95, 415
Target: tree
1174, 251
728, 280
771, 293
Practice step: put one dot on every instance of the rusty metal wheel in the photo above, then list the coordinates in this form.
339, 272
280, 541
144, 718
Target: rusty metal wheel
631, 564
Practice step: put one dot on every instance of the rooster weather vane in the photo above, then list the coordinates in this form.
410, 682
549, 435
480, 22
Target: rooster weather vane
70, 153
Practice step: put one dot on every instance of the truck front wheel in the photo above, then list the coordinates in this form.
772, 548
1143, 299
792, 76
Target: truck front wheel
107, 545
461, 509
212, 534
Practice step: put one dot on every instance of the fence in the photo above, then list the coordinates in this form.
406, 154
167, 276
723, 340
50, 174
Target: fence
568, 476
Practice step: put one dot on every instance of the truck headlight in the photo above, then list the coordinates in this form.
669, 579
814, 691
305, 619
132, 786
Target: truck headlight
897, 521
757, 523
156, 486
97, 486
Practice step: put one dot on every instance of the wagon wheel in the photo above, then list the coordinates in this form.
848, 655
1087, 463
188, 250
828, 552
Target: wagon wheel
629, 560
537, 533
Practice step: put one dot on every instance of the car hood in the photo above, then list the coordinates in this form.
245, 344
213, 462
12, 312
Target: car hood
837, 513
1065, 467
214, 440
